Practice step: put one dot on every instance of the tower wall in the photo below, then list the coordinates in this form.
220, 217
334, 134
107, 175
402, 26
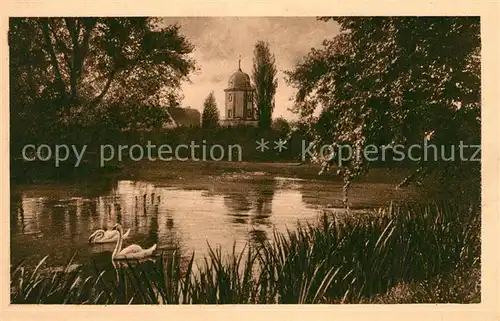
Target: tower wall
239, 104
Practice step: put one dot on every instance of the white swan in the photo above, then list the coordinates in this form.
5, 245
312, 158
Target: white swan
133, 251
108, 236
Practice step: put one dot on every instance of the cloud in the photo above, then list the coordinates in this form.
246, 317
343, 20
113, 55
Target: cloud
219, 41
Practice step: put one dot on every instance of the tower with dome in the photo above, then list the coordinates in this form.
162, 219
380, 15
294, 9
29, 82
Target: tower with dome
239, 100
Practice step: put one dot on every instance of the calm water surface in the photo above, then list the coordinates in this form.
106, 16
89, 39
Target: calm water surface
56, 220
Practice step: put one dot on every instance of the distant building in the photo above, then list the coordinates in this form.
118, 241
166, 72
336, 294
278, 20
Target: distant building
239, 100
183, 117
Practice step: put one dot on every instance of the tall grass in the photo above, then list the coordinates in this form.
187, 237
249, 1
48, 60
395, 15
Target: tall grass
341, 259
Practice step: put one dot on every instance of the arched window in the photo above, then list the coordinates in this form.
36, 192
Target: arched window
230, 97
229, 113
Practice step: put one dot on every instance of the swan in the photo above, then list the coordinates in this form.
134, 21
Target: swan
124, 263
108, 236
133, 251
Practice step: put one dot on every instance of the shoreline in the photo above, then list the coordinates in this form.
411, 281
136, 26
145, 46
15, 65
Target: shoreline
204, 175
159, 170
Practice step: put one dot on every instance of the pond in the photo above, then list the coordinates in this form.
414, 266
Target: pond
56, 219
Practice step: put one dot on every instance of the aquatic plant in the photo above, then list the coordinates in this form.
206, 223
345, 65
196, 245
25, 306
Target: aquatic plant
404, 253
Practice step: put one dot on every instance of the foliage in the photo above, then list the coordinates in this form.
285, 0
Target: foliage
80, 70
344, 259
281, 126
392, 80
462, 286
210, 116
264, 77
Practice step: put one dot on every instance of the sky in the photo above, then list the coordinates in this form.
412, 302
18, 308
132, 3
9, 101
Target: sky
220, 41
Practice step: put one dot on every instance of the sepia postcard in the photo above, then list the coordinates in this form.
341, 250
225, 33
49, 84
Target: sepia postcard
284, 164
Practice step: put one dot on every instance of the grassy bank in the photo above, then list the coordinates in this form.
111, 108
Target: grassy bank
26, 172
159, 170
394, 255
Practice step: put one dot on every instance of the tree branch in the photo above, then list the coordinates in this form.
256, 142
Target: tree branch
61, 45
408, 179
104, 91
44, 22
89, 25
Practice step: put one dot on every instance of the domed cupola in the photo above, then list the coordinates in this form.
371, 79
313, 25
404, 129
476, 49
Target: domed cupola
239, 80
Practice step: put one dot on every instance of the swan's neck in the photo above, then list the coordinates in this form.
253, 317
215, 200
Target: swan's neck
118, 246
96, 235
99, 234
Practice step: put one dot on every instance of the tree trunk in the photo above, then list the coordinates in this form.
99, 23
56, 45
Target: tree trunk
410, 178
73, 31
79, 51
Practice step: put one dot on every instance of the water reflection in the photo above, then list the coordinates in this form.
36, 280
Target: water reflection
252, 207
57, 221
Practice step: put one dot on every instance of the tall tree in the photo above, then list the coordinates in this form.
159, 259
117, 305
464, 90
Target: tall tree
80, 71
264, 78
390, 80
210, 116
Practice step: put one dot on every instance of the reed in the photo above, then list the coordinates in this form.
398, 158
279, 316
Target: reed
413, 249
